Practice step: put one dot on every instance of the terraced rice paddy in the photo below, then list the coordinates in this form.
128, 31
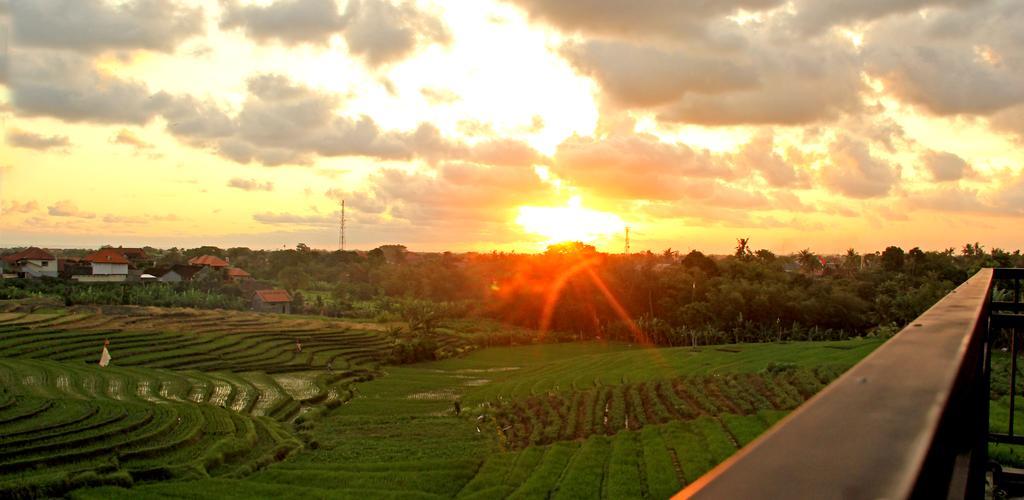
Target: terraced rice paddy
189, 395
544, 421
191, 340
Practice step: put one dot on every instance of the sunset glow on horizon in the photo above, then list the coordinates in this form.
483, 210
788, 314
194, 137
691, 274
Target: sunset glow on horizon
571, 222
466, 125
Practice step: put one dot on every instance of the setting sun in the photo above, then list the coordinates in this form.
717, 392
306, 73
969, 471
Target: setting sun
569, 223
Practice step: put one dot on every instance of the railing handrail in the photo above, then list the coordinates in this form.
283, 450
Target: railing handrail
901, 423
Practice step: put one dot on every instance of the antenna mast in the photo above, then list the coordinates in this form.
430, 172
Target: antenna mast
627, 240
341, 227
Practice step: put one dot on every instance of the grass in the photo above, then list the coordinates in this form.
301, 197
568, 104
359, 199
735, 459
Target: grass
202, 406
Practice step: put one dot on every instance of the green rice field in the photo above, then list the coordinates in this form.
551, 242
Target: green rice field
212, 404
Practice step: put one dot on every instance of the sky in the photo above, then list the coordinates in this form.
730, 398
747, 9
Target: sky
479, 125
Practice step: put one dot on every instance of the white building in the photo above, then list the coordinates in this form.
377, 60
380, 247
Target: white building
30, 263
108, 265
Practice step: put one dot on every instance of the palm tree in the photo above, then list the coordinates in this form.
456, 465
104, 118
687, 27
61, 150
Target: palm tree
743, 248
851, 263
808, 261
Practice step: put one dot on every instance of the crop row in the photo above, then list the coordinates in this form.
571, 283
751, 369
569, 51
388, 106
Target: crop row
53, 446
551, 417
252, 393
221, 346
655, 462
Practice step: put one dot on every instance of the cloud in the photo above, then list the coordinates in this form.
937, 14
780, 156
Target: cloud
381, 32
762, 76
197, 121
96, 25
759, 155
138, 219
285, 218
816, 16
464, 193
290, 22
68, 208
633, 166
1009, 197
4, 62
70, 88
667, 76
945, 166
250, 184
439, 96
127, 138
14, 207
949, 198
504, 152
30, 140
378, 31
1010, 120
670, 19
956, 61
282, 122
363, 202
852, 171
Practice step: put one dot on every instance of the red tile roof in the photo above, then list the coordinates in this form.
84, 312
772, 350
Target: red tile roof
31, 253
208, 260
134, 253
237, 272
273, 296
107, 256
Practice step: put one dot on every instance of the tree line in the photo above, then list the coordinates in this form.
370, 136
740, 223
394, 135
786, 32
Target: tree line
571, 291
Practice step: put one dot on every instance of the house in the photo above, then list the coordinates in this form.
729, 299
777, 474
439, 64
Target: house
175, 274
72, 266
238, 275
137, 257
279, 301
209, 261
107, 265
32, 262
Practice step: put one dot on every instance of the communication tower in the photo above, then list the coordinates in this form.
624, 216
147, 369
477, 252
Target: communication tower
627, 240
341, 227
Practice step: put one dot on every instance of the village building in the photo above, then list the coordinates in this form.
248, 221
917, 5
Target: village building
32, 262
277, 301
238, 275
209, 261
71, 266
175, 274
137, 257
107, 265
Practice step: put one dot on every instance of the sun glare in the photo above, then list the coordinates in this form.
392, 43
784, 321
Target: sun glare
569, 223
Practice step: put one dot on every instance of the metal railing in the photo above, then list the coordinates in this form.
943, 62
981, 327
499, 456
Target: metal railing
911, 420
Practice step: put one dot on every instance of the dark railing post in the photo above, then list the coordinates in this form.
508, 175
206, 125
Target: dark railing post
1013, 376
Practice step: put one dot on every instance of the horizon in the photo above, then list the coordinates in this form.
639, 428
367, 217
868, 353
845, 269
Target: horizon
679, 251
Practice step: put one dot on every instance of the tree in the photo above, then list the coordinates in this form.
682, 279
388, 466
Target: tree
851, 262
916, 259
765, 255
698, 260
293, 278
743, 248
808, 261
892, 259
574, 248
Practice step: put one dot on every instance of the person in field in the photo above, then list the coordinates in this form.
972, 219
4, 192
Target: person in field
458, 407
298, 346
105, 355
